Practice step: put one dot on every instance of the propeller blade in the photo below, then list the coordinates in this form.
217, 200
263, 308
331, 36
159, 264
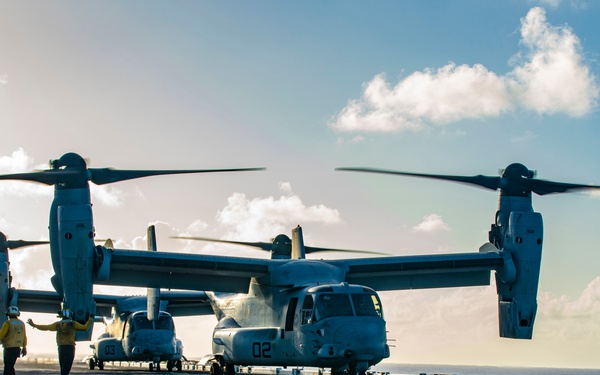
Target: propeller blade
279, 241
310, 249
71, 170
267, 246
49, 177
516, 180
543, 187
20, 243
487, 182
101, 176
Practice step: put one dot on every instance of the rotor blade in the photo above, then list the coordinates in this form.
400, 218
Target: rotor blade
20, 243
543, 187
49, 177
101, 176
310, 249
267, 246
479, 180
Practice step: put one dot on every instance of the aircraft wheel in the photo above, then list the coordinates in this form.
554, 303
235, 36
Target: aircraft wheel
179, 365
215, 369
151, 366
101, 365
91, 363
230, 369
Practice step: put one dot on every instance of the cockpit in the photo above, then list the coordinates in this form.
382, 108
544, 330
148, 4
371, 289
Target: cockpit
139, 321
322, 302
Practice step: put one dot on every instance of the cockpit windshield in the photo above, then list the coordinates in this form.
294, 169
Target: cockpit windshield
340, 304
333, 305
142, 322
367, 305
164, 322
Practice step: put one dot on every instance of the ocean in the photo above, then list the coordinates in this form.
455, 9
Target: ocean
413, 369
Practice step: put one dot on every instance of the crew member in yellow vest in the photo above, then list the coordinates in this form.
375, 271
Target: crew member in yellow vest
65, 337
14, 339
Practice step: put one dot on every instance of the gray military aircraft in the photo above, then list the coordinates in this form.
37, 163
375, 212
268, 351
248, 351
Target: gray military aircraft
140, 328
75, 259
294, 311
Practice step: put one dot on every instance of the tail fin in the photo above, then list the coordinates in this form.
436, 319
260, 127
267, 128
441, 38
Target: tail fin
153, 293
298, 250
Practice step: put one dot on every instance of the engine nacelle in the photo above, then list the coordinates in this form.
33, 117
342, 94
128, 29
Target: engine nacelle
517, 300
5, 291
109, 349
77, 261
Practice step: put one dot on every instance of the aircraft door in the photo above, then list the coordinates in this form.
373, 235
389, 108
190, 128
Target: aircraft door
291, 312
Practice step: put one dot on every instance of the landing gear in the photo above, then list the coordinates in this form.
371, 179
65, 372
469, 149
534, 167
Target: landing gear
174, 364
230, 369
215, 369
152, 366
219, 367
92, 363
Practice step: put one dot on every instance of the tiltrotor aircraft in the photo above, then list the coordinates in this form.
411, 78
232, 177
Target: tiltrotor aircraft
294, 311
75, 259
141, 329
138, 328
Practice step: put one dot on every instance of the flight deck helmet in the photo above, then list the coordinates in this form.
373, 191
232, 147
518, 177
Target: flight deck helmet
65, 313
12, 311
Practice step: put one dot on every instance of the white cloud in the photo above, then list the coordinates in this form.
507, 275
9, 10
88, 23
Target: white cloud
255, 219
431, 223
19, 162
550, 77
553, 78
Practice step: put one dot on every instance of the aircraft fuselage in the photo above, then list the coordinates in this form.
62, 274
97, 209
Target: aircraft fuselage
338, 326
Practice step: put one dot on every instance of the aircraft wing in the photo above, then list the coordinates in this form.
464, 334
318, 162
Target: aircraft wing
421, 271
178, 303
183, 271
39, 301
186, 303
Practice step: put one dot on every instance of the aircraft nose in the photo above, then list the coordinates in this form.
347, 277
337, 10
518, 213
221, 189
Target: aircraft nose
362, 341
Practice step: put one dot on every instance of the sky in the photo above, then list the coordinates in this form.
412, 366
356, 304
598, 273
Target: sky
462, 87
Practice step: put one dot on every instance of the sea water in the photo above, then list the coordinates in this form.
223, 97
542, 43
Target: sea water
477, 370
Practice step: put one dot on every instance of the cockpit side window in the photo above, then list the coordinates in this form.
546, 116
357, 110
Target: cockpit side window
307, 309
366, 304
333, 305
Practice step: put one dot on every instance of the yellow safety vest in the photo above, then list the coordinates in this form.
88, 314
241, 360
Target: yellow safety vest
16, 334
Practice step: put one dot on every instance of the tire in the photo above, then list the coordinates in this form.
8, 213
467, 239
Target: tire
215, 369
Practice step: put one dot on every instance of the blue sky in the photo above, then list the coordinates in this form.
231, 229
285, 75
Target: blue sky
462, 87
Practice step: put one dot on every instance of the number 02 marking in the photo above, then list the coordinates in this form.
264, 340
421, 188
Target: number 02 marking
261, 349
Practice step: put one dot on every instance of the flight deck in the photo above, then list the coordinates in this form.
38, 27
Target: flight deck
44, 366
